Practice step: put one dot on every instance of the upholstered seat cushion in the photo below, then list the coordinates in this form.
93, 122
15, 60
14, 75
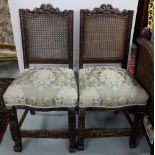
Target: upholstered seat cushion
43, 87
109, 87
149, 129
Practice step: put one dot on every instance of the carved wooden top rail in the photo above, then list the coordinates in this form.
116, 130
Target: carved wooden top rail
47, 9
106, 9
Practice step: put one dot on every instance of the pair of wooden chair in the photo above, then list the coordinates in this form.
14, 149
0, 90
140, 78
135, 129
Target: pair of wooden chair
47, 37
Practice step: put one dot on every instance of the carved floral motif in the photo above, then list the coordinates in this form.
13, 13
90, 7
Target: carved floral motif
47, 9
107, 9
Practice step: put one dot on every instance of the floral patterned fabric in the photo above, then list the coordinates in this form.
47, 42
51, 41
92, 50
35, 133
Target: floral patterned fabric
149, 129
43, 87
109, 87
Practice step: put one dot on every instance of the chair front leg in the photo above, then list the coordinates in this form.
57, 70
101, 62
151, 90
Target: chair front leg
14, 129
81, 128
136, 128
72, 129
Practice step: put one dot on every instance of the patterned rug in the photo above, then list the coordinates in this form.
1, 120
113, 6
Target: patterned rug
4, 83
3, 122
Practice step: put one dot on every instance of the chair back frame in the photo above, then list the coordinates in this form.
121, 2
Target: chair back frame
47, 11
105, 10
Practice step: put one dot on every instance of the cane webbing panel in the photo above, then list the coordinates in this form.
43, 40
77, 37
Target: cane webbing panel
105, 37
46, 36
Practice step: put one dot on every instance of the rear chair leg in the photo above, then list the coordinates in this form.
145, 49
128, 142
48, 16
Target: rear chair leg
152, 150
136, 129
72, 129
81, 128
32, 112
14, 129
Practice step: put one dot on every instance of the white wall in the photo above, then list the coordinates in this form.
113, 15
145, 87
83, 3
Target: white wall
63, 4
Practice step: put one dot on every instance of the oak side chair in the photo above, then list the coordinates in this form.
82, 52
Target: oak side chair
47, 38
104, 39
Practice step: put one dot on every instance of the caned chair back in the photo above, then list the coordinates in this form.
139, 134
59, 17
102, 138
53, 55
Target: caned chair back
47, 36
105, 35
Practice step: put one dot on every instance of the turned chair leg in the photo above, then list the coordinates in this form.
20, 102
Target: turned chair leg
72, 129
14, 129
136, 129
81, 129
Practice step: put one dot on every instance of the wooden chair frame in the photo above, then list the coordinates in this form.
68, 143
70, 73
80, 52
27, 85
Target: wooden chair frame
138, 111
145, 73
70, 133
